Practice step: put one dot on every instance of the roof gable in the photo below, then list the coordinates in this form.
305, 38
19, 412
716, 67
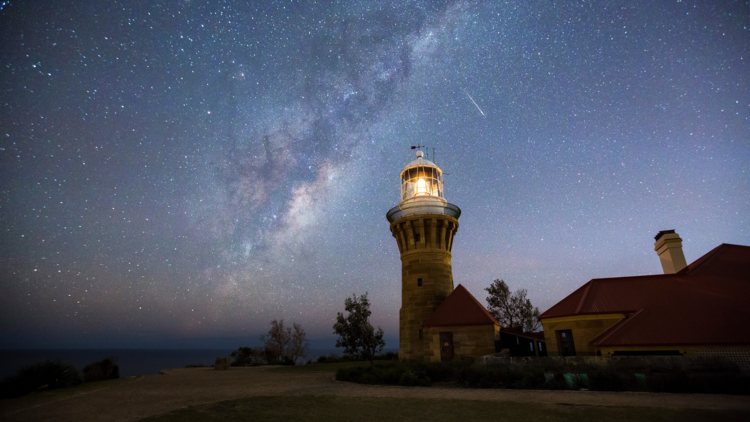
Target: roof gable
726, 260
460, 308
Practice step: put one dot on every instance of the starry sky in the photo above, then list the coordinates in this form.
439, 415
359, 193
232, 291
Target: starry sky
179, 173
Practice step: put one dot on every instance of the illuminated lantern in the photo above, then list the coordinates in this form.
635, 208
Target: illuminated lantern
421, 177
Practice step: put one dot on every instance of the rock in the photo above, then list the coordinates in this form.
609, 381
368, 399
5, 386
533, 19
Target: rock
222, 364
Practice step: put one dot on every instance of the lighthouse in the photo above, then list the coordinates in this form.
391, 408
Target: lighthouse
424, 225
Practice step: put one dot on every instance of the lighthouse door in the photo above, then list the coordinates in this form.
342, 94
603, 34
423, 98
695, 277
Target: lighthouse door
446, 346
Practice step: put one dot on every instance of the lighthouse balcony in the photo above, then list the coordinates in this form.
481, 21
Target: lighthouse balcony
407, 208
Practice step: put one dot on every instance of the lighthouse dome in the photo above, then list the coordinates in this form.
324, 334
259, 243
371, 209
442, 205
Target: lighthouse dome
421, 161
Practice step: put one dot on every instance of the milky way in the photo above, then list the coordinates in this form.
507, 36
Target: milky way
179, 174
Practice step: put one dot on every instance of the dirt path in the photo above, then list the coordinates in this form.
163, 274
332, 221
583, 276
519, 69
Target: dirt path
180, 388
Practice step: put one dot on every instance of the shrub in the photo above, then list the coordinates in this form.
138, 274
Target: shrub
531, 380
412, 379
49, 374
349, 374
336, 359
721, 384
99, 371
606, 381
418, 373
387, 356
446, 371
671, 383
556, 383
390, 373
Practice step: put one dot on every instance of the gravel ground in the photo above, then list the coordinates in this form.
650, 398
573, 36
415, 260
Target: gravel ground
178, 388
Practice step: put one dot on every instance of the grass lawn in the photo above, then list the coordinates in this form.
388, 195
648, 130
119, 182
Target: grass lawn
319, 367
11, 405
334, 408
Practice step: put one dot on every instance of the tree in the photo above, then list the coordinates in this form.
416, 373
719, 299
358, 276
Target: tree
512, 310
284, 344
242, 356
276, 342
299, 346
356, 335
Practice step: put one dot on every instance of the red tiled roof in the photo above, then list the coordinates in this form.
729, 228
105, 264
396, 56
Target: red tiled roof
460, 308
708, 302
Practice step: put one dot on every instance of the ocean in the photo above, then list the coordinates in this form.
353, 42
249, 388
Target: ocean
132, 362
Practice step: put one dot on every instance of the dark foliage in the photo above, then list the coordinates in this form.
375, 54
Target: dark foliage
243, 356
391, 373
196, 365
332, 358
387, 356
107, 369
460, 372
355, 333
336, 359
49, 374
606, 381
284, 345
512, 310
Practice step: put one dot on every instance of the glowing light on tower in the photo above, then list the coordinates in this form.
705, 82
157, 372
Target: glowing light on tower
421, 188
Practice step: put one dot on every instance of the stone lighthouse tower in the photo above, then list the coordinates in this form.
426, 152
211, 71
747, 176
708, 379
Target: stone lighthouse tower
423, 224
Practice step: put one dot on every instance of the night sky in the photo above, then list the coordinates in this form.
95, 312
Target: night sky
180, 173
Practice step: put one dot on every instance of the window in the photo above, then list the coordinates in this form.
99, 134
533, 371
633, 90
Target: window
565, 345
419, 282
420, 331
416, 237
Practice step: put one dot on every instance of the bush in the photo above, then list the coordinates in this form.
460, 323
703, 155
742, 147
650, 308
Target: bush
417, 373
336, 359
391, 373
196, 365
531, 380
251, 356
107, 369
671, 383
446, 371
606, 381
387, 356
49, 374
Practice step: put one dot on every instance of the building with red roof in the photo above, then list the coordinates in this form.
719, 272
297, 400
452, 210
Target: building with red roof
460, 326
700, 309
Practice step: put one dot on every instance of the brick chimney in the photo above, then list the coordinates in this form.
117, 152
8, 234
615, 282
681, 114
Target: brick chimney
669, 248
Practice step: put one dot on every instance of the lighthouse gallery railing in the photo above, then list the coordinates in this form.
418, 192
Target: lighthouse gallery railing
449, 209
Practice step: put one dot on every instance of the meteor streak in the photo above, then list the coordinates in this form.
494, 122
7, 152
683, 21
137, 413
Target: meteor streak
475, 103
